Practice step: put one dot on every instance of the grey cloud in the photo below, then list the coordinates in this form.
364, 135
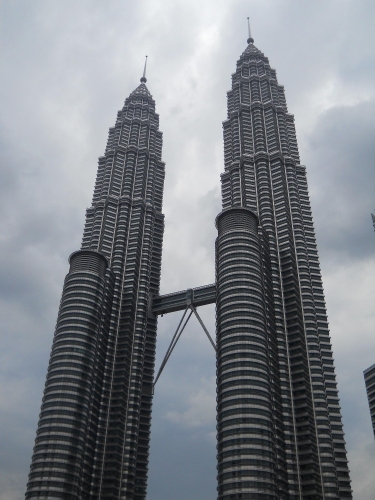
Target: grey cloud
183, 464
341, 169
66, 68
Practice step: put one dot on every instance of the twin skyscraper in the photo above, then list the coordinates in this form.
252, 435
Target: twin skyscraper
279, 429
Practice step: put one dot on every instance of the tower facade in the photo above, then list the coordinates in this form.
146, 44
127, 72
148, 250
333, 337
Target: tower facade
279, 425
93, 432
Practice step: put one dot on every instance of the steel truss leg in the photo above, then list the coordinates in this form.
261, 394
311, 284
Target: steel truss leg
173, 343
177, 335
202, 325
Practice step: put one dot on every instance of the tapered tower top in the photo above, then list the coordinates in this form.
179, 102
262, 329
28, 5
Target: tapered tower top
144, 79
250, 39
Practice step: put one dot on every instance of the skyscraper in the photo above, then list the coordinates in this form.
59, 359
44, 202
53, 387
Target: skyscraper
279, 426
93, 432
369, 375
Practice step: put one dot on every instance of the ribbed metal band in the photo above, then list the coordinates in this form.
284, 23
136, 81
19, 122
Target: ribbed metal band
88, 260
246, 453
64, 448
236, 219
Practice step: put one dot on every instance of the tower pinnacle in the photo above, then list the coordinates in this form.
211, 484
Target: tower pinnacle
250, 39
144, 79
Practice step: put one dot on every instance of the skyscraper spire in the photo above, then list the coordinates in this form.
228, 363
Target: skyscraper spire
250, 39
144, 79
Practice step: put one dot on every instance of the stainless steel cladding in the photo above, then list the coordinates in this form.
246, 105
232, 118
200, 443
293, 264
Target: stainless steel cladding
65, 446
248, 451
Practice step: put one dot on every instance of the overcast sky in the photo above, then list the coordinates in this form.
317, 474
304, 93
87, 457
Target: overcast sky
66, 68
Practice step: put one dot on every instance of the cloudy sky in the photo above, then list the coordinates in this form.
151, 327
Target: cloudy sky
66, 68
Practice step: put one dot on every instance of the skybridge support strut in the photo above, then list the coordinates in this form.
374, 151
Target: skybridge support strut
186, 300
173, 343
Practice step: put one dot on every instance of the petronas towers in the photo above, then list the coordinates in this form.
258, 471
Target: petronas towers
279, 427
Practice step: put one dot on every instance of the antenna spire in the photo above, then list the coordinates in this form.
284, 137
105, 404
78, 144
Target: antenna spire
250, 39
144, 79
